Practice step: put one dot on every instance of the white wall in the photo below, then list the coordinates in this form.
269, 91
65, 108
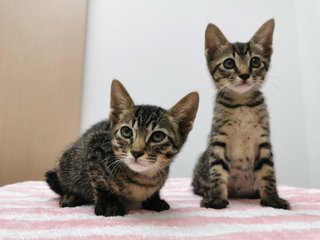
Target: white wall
308, 16
156, 49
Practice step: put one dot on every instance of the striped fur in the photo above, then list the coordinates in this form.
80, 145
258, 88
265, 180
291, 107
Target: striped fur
124, 159
238, 161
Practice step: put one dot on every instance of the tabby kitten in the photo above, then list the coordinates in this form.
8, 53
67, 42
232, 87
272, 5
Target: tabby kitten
126, 158
238, 161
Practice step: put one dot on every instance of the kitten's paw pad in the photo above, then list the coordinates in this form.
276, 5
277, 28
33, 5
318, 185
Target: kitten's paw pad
214, 203
158, 206
275, 202
110, 210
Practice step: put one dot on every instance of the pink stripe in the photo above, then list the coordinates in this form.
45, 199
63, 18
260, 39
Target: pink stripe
53, 203
41, 211
311, 198
169, 222
44, 197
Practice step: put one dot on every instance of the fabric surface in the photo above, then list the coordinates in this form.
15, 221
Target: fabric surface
29, 210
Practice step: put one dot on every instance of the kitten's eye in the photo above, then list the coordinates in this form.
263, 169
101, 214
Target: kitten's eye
157, 136
126, 132
255, 62
229, 63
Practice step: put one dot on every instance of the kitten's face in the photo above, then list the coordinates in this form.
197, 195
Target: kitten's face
239, 67
146, 138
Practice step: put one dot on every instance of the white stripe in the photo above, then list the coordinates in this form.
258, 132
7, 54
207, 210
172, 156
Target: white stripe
312, 191
145, 231
181, 199
306, 204
178, 193
248, 213
32, 184
9, 194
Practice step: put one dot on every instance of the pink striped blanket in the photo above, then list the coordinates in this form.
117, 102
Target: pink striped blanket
29, 210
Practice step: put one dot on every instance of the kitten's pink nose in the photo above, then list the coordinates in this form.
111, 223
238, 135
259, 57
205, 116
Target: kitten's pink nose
245, 76
137, 154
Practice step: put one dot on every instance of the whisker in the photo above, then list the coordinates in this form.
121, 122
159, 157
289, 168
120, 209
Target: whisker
116, 166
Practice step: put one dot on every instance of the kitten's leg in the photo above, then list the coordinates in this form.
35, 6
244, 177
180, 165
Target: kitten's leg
72, 200
108, 204
200, 176
155, 203
217, 194
264, 173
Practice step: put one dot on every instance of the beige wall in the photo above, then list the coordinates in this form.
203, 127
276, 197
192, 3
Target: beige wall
41, 65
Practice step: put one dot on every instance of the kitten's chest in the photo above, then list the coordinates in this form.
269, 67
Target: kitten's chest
138, 193
136, 188
243, 133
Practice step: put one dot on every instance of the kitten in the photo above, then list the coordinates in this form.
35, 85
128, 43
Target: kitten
238, 161
126, 158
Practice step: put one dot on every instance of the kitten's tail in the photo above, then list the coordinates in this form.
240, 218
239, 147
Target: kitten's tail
53, 181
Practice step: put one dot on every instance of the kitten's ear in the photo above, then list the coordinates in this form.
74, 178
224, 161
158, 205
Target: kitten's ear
214, 39
121, 101
263, 36
184, 113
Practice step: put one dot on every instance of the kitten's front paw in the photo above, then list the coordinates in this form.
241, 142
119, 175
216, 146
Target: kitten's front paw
214, 203
111, 209
275, 202
159, 205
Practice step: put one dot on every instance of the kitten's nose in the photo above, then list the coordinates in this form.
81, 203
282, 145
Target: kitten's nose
137, 154
245, 76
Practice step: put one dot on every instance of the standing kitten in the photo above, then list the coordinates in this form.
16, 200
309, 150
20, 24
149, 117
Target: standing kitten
238, 161
126, 158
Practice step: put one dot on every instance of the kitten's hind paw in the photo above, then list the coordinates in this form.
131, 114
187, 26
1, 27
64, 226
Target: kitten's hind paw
109, 210
275, 202
72, 200
214, 203
159, 205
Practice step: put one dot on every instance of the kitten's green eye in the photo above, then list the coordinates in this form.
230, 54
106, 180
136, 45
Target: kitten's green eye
157, 136
126, 132
255, 62
229, 63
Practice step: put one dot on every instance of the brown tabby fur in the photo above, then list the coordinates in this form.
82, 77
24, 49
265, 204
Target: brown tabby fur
125, 159
238, 161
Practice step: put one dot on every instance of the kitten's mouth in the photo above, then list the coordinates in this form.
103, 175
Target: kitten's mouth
241, 88
138, 165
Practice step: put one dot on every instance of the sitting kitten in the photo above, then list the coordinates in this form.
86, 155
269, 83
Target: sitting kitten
124, 159
238, 161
